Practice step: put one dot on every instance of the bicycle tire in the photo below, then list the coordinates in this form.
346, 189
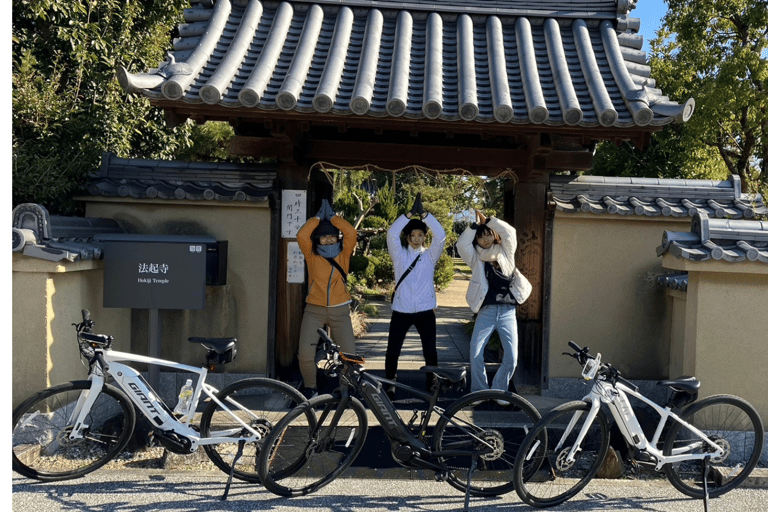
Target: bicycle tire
555, 480
261, 403
476, 419
731, 422
42, 422
299, 458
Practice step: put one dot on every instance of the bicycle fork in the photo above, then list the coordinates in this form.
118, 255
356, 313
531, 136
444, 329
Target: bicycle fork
576, 448
83, 407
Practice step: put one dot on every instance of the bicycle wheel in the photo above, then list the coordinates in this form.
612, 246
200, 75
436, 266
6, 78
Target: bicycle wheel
730, 422
42, 424
478, 424
556, 479
260, 403
299, 458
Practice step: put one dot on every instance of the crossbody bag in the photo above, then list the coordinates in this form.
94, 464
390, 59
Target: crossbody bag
335, 264
407, 271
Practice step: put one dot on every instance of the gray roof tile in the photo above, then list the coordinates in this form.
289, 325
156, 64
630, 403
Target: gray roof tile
718, 239
541, 62
55, 238
654, 196
158, 179
677, 281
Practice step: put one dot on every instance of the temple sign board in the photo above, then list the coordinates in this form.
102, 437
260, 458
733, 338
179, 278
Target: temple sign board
145, 272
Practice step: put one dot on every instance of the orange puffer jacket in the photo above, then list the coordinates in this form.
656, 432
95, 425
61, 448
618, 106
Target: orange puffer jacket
326, 285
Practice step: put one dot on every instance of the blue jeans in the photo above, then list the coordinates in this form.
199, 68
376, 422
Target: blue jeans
503, 319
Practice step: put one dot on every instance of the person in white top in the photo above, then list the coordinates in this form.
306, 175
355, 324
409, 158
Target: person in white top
488, 248
414, 299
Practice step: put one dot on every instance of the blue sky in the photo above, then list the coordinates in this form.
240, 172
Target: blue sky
650, 13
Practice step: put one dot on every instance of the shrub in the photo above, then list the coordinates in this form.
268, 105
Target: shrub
443, 271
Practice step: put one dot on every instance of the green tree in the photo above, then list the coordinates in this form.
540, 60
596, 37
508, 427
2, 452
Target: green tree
68, 107
715, 51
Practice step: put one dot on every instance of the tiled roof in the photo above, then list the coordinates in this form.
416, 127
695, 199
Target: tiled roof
718, 239
158, 179
654, 197
678, 281
541, 62
40, 235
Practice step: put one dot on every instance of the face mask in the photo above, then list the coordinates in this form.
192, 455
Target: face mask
329, 251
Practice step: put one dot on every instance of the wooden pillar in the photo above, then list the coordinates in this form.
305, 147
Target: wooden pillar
290, 296
525, 209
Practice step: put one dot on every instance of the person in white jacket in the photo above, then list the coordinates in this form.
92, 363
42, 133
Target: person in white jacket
488, 248
414, 300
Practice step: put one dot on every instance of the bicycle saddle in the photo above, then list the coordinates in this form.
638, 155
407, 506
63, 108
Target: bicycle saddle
453, 375
686, 384
218, 345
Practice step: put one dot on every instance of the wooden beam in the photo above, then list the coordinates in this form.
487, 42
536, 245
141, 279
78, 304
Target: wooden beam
254, 146
397, 155
640, 135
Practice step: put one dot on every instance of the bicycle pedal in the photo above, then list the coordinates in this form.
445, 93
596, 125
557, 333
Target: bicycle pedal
645, 459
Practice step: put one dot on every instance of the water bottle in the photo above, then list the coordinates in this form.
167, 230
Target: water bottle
185, 399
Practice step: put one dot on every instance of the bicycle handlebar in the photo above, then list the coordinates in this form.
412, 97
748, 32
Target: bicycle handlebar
581, 355
609, 372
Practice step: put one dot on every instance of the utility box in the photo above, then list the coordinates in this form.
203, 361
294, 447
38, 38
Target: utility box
216, 263
160, 272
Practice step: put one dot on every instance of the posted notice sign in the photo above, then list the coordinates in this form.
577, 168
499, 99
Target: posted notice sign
154, 275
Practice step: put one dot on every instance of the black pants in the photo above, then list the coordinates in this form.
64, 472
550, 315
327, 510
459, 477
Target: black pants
426, 326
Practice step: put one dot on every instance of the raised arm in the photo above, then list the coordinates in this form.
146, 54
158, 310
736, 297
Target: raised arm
438, 237
465, 247
393, 236
507, 233
349, 232
304, 235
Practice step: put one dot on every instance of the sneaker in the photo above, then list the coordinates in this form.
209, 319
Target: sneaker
502, 403
309, 392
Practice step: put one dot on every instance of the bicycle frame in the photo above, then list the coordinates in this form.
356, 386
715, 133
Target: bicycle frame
615, 398
149, 404
370, 388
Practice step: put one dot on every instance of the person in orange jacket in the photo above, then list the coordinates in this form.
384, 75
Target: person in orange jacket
328, 300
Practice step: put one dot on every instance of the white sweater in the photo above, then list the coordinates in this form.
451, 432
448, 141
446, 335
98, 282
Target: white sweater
417, 291
478, 284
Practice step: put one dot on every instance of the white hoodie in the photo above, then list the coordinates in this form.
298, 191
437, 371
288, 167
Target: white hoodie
478, 284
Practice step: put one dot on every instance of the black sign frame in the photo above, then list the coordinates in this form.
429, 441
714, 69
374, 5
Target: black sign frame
148, 274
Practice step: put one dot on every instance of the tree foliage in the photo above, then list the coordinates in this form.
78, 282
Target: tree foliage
68, 107
715, 51
372, 200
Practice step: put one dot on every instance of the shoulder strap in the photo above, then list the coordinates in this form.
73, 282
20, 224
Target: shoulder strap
335, 263
407, 271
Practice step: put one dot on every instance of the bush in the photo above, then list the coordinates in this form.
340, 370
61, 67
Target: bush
443, 271
374, 221
383, 269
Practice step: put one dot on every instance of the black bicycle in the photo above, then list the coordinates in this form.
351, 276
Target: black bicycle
473, 443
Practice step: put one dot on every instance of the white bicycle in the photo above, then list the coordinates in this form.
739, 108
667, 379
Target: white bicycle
710, 446
72, 429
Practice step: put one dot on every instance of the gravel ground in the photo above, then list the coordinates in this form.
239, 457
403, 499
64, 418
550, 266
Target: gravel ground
171, 491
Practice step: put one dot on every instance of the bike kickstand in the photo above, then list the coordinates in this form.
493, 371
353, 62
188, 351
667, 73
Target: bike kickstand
472, 468
705, 476
240, 446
